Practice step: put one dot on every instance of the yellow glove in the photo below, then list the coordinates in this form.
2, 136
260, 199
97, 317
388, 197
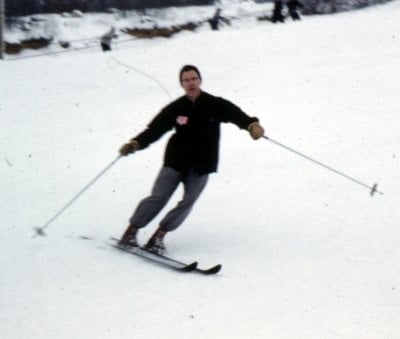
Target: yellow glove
256, 130
128, 148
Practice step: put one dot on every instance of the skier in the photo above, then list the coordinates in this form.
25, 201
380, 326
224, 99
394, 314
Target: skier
277, 15
293, 9
191, 154
214, 21
106, 40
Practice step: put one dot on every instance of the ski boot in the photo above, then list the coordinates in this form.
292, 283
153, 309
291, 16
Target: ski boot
156, 242
129, 239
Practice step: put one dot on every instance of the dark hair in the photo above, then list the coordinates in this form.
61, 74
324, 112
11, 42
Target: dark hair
188, 68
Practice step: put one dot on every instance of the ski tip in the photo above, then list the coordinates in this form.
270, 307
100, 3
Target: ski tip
189, 268
84, 237
213, 270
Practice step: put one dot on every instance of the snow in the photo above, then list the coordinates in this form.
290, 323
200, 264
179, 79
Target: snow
305, 253
80, 31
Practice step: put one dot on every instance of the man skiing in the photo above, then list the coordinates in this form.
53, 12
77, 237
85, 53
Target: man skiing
215, 20
190, 156
293, 9
106, 40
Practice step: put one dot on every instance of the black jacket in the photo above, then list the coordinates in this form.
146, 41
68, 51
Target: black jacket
195, 143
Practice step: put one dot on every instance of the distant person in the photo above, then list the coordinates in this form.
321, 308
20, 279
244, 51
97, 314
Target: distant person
293, 9
215, 20
191, 155
277, 14
106, 40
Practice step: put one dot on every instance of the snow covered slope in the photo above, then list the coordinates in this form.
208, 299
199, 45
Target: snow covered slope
306, 253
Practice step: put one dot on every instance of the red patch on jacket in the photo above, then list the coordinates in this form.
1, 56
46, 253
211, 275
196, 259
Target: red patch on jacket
182, 120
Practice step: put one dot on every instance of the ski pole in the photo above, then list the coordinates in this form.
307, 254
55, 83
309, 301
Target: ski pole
372, 189
40, 230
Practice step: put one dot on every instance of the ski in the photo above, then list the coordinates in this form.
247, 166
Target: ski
149, 256
212, 270
167, 261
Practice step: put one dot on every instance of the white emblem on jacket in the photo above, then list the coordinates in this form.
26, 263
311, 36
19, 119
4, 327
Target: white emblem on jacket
182, 120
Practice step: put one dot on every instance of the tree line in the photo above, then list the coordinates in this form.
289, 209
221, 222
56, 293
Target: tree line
27, 7
334, 6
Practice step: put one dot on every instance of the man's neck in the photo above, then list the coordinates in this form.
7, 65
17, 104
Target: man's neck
193, 97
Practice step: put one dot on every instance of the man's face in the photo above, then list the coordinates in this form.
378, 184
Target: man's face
191, 82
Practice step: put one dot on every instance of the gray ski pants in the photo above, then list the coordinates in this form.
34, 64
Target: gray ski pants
166, 183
